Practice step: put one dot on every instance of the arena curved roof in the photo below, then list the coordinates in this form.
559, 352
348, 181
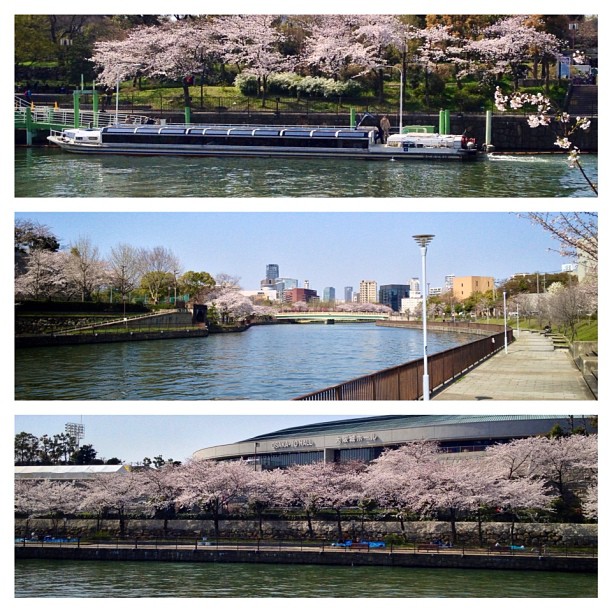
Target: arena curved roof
349, 435
393, 422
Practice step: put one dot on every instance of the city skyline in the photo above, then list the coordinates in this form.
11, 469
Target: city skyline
330, 249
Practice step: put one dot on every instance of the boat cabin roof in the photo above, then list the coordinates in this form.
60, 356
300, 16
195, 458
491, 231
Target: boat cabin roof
254, 131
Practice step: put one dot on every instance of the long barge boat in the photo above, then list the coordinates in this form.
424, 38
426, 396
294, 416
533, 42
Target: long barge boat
262, 141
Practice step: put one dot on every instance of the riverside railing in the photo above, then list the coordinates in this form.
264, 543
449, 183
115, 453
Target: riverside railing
356, 547
405, 382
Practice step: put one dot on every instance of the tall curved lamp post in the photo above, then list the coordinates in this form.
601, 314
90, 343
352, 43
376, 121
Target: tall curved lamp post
423, 240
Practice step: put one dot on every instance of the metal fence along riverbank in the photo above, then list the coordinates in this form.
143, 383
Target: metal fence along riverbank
312, 554
405, 382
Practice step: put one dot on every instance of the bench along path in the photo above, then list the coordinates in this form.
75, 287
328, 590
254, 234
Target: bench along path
532, 370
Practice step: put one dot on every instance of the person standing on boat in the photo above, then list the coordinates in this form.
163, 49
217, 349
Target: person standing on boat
385, 126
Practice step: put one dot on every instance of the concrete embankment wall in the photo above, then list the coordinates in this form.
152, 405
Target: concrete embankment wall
100, 333
508, 132
477, 329
103, 338
386, 558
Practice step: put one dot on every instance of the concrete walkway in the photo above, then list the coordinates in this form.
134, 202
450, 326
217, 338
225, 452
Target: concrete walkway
532, 370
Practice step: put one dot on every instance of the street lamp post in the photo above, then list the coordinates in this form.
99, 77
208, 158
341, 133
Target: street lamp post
505, 326
423, 240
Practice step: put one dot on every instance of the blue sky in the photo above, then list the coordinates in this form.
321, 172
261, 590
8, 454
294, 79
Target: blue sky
131, 437
327, 248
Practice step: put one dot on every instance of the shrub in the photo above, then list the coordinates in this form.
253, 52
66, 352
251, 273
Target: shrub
246, 84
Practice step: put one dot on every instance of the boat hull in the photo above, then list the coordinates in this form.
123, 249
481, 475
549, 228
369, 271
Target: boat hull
374, 153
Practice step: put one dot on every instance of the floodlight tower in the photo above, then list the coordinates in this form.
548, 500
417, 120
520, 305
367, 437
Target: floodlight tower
77, 431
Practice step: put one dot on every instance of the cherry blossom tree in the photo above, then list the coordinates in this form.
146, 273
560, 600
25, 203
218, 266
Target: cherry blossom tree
569, 304
333, 49
231, 306
445, 486
577, 233
252, 42
175, 49
521, 496
434, 47
339, 485
394, 478
265, 489
52, 499
589, 503
113, 492
508, 44
568, 464
304, 490
212, 485
161, 490
44, 277
544, 115
380, 34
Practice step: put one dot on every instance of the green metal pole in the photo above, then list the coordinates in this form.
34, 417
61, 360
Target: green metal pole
447, 122
441, 122
352, 119
75, 105
29, 126
96, 106
188, 114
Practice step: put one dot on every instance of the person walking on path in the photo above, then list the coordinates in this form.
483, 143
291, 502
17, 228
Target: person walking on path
385, 126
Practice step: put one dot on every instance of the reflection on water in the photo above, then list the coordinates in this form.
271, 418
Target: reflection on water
136, 579
276, 362
49, 172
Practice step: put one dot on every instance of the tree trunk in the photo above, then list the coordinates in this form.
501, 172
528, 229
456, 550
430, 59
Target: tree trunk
339, 523
310, 530
453, 526
380, 78
186, 96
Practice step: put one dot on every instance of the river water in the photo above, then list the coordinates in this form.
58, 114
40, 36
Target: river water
275, 362
36, 578
49, 172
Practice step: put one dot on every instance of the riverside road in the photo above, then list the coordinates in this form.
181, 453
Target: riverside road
531, 370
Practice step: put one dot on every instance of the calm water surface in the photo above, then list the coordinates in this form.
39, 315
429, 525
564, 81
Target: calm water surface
276, 362
34, 578
49, 172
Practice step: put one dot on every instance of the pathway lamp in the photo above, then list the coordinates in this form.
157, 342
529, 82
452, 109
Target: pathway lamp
423, 240
505, 325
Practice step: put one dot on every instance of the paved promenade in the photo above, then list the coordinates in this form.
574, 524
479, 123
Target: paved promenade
532, 370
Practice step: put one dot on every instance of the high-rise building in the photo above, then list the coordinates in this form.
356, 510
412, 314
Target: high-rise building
392, 295
368, 291
348, 294
415, 287
448, 282
329, 294
284, 284
272, 272
465, 286
300, 294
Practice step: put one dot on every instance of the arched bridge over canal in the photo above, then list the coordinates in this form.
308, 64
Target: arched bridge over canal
331, 316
